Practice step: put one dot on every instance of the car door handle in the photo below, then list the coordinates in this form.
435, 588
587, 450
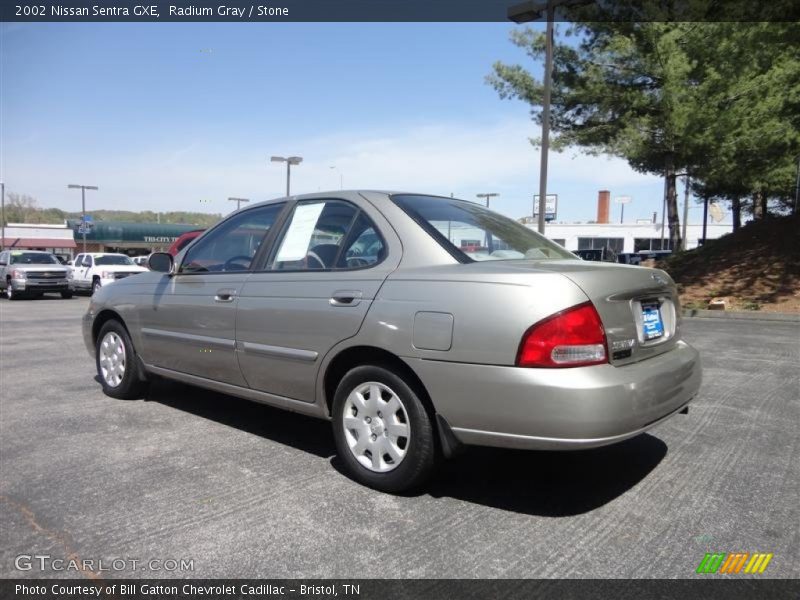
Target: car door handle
346, 298
225, 296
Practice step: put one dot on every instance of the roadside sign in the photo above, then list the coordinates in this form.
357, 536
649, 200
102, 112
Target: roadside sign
550, 207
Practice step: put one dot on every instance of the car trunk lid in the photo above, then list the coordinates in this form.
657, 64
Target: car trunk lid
638, 306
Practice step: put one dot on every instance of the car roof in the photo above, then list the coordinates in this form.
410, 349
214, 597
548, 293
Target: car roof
355, 194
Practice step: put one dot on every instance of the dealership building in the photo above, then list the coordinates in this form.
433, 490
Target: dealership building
133, 239
38, 236
641, 236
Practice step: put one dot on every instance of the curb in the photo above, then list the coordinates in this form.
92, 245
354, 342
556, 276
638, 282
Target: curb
742, 316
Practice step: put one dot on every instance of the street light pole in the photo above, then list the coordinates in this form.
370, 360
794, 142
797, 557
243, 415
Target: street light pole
83, 189
341, 178
289, 160
487, 196
622, 201
2, 215
239, 201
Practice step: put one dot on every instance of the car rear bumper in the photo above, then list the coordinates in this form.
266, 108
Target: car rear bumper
561, 409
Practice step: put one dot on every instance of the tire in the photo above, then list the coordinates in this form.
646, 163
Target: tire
11, 293
116, 362
66, 295
361, 424
95, 285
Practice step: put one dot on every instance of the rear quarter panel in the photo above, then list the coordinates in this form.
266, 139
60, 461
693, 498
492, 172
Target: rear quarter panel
488, 317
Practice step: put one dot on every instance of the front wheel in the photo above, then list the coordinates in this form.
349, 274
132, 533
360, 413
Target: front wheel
116, 363
11, 293
95, 285
383, 433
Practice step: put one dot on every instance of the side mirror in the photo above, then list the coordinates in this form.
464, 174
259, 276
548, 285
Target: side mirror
161, 262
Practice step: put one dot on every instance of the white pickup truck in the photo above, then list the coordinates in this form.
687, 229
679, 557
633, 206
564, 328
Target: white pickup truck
94, 269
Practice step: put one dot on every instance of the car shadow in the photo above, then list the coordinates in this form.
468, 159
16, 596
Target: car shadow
550, 484
292, 429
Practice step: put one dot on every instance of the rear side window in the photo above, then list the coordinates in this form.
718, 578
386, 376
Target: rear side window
328, 235
471, 232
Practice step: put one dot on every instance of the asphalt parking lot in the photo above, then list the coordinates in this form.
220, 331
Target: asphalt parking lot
245, 490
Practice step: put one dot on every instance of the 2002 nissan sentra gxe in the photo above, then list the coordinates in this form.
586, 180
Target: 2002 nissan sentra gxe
415, 323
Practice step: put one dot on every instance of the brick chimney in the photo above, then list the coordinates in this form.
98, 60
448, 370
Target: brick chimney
603, 206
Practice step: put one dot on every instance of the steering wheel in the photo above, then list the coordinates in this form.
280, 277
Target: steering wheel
313, 255
356, 261
231, 265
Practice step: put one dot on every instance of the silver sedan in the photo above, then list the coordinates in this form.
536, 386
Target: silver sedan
416, 324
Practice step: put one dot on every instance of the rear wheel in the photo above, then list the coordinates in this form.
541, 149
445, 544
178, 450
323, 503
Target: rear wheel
116, 363
383, 433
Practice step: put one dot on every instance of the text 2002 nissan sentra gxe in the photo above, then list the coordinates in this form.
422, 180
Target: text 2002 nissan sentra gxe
415, 323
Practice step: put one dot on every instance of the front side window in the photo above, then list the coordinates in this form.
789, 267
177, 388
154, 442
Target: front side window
471, 232
114, 259
233, 244
33, 258
329, 234
87, 261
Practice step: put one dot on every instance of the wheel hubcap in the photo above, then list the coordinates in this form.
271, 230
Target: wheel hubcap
376, 427
112, 359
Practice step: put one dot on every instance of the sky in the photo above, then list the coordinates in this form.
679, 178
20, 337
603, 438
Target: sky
181, 116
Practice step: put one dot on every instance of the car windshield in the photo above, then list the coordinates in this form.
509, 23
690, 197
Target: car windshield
33, 258
113, 259
471, 232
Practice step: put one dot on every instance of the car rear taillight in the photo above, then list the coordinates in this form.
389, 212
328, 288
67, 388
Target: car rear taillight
571, 338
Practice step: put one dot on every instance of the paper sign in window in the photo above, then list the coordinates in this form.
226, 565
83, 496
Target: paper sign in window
298, 237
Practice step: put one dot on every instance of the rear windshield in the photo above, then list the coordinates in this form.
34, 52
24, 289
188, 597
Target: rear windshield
113, 260
33, 258
471, 232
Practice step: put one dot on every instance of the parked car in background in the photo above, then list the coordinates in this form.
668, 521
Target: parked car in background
92, 270
598, 255
141, 261
629, 258
655, 255
31, 273
184, 240
363, 308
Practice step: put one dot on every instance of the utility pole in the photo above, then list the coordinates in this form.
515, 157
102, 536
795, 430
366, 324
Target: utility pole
289, 160
524, 13
663, 213
239, 201
83, 188
705, 218
797, 187
487, 196
685, 208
